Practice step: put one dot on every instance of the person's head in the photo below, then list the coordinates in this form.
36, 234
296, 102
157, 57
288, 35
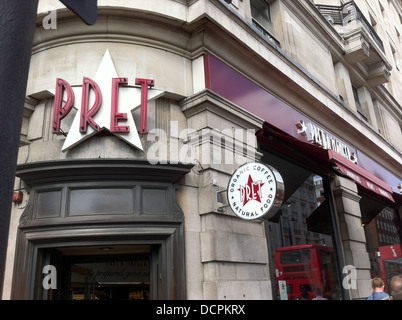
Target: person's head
377, 284
396, 287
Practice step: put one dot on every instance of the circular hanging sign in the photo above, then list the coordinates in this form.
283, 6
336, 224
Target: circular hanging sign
254, 190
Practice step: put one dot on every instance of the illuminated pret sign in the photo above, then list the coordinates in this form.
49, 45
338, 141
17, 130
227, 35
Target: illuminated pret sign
254, 189
106, 102
325, 140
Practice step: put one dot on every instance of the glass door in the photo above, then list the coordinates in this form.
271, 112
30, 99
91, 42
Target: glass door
121, 272
122, 277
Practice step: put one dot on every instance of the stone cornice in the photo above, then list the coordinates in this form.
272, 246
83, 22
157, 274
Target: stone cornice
208, 100
114, 25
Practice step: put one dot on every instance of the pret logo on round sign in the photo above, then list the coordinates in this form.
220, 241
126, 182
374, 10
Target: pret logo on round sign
254, 190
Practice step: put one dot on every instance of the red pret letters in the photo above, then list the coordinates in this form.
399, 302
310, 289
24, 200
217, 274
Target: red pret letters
145, 83
60, 112
87, 115
116, 116
88, 112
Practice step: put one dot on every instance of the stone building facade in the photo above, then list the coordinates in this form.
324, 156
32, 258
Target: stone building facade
135, 171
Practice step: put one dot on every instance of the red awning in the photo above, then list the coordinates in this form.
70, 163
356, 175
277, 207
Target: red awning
398, 197
328, 158
361, 176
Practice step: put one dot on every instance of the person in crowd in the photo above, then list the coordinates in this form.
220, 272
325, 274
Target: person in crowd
378, 290
395, 287
318, 294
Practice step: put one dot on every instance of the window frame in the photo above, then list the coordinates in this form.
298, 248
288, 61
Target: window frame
263, 24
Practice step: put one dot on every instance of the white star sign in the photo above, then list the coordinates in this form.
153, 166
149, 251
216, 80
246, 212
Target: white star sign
107, 103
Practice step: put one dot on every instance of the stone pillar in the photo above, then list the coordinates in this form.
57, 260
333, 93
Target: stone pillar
367, 104
353, 238
234, 254
227, 256
344, 84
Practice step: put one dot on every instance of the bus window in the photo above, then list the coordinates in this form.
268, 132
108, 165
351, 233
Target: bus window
296, 256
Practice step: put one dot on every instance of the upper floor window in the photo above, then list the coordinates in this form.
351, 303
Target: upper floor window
261, 16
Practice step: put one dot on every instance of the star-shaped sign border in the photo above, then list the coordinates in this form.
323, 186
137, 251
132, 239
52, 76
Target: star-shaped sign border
129, 100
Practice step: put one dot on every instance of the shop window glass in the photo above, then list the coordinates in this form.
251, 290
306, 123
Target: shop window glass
48, 204
126, 279
302, 245
101, 201
383, 234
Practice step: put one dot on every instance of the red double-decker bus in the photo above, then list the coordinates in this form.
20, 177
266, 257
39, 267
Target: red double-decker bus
306, 271
390, 262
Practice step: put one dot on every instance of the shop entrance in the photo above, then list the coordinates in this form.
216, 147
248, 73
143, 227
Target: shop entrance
95, 220
122, 272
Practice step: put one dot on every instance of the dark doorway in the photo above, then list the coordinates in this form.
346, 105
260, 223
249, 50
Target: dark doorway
120, 272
